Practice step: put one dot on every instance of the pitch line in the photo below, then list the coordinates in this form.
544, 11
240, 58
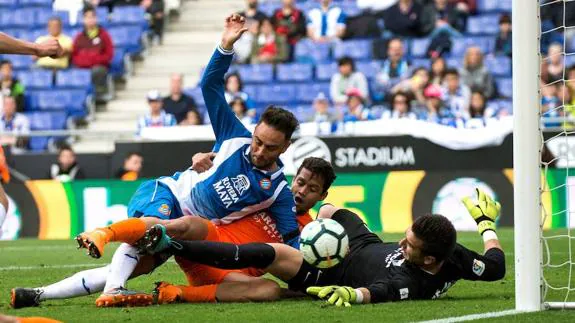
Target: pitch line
475, 316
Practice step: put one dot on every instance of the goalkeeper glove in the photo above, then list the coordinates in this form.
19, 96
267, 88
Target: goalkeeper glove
335, 295
484, 212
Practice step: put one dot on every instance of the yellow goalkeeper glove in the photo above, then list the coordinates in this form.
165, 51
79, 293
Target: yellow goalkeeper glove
484, 212
335, 295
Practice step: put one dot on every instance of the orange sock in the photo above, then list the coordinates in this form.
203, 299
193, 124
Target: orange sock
199, 294
128, 231
37, 320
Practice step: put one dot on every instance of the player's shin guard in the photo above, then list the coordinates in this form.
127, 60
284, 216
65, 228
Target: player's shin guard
225, 255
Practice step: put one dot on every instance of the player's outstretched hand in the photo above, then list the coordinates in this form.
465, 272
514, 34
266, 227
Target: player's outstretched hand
201, 162
335, 295
233, 30
50, 48
484, 212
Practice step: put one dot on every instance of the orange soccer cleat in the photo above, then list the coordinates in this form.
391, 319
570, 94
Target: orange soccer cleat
121, 297
166, 293
94, 241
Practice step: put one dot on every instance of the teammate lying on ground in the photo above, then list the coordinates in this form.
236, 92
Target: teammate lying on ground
423, 265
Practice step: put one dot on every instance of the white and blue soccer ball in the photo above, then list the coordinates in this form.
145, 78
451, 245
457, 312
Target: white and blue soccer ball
324, 243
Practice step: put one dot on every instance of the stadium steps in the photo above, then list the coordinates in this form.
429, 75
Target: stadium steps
188, 44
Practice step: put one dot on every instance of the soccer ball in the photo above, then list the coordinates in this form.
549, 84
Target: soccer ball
324, 243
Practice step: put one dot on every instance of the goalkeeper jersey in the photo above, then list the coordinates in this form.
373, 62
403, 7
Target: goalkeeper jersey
233, 187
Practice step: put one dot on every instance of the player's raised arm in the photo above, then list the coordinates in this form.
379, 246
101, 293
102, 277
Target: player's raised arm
10, 45
224, 122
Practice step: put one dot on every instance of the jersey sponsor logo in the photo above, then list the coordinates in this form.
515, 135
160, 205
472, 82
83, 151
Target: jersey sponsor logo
442, 291
396, 259
267, 224
265, 183
403, 293
165, 209
231, 189
478, 267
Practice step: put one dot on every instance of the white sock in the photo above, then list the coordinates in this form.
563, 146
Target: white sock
2, 216
123, 264
83, 283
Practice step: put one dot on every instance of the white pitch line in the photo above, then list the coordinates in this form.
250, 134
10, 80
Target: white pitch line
8, 268
475, 316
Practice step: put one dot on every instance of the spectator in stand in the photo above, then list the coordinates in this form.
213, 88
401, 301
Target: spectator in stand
356, 110
503, 45
326, 23
550, 104
434, 110
93, 49
67, 168
438, 67
467, 6
269, 47
193, 118
345, 79
243, 47
132, 167
290, 23
55, 32
456, 95
474, 73
156, 117
234, 89
553, 69
394, 69
478, 106
408, 18
447, 19
10, 86
321, 107
400, 107
178, 103
155, 8
241, 111
252, 11
14, 122
415, 85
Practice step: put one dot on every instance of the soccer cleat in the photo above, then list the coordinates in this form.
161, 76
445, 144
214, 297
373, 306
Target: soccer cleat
121, 297
156, 239
25, 297
93, 241
166, 293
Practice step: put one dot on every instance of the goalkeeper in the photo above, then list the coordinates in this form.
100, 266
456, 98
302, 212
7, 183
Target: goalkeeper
423, 265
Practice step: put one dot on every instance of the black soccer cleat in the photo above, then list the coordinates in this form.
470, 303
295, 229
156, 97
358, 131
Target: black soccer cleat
25, 297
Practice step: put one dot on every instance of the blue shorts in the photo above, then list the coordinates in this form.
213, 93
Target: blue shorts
154, 199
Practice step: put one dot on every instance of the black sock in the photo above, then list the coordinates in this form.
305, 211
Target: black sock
225, 255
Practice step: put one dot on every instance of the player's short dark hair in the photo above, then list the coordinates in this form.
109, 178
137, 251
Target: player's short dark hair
346, 60
437, 234
321, 168
133, 153
280, 119
451, 71
55, 18
63, 147
5, 62
88, 9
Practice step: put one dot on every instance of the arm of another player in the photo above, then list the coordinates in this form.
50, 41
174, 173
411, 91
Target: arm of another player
283, 212
10, 45
223, 120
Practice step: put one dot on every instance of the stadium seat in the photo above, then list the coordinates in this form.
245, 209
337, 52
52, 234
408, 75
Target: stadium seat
38, 143
325, 71
454, 62
196, 94
251, 91
498, 65
74, 78
350, 8
14, 32
19, 61
18, 18
118, 66
8, 3
420, 62
256, 73
306, 93
369, 69
128, 15
356, 49
53, 120
268, 7
128, 37
71, 100
302, 112
42, 17
418, 47
294, 72
483, 24
39, 3
505, 87
493, 5
278, 94
307, 51
36, 78
486, 44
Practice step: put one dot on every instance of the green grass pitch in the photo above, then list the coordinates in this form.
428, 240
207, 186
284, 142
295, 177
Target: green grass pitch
31, 263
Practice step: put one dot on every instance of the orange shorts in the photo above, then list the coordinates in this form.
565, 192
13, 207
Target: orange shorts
258, 227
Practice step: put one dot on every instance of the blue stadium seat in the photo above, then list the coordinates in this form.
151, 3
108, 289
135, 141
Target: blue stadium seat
294, 72
418, 47
42, 17
420, 62
32, 35
256, 73
72, 31
124, 15
19, 61
276, 94
53, 120
505, 87
14, 32
38, 143
501, 105
8, 3
483, 24
74, 78
325, 71
486, 44
307, 51
128, 37
493, 5
196, 94
356, 49
454, 62
36, 79
302, 112
369, 69
39, 3
70, 100
268, 7
499, 65
18, 18
569, 60
117, 68
350, 8
306, 93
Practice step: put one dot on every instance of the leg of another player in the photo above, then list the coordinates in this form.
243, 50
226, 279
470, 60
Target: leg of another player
238, 287
188, 228
326, 211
